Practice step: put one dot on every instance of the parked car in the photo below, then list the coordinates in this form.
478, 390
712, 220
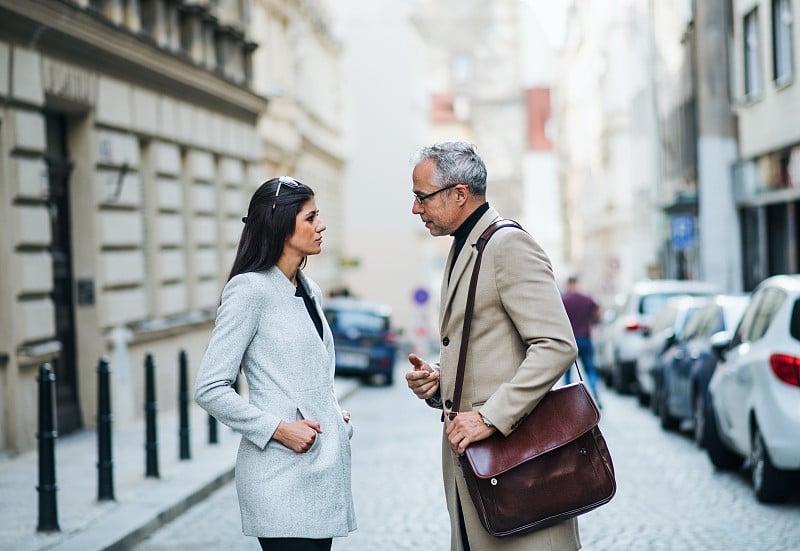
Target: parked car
634, 316
688, 365
366, 344
754, 394
667, 325
603, 346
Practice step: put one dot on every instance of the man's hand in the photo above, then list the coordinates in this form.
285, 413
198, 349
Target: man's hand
298, 436
466, 428
422, 380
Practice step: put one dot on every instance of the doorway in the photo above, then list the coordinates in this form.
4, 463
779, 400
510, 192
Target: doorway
58, 205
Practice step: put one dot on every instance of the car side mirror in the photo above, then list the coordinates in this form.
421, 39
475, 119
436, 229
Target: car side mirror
720, 344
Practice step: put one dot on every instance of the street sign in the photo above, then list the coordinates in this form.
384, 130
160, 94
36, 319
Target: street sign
421, 296
682, 230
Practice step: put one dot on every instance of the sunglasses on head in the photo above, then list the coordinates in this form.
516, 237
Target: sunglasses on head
287, 181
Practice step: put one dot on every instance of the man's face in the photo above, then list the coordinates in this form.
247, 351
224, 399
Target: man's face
438, 212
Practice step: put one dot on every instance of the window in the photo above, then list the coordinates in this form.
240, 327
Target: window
743, 330
782, 41
765, 312
752, 56
794, 322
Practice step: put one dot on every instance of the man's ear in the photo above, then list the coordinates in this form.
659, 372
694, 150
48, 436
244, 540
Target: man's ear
462, 195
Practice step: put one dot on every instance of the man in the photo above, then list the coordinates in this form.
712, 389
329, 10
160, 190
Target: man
582, 312
521, 341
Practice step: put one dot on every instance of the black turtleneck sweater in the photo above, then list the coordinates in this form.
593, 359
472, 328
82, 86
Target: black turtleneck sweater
462, 233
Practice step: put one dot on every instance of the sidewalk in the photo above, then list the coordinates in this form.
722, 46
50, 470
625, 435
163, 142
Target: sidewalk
142, 504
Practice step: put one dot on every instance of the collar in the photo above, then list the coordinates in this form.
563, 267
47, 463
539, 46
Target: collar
466, 226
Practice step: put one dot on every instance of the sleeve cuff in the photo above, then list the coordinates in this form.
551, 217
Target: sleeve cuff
435, 401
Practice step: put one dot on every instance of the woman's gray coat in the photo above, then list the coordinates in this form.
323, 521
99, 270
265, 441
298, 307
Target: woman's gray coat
264, 328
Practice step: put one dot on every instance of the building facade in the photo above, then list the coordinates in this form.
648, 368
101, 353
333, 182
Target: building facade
474, 78
654, 143
128, 150
608, 159
766, 92
298, 67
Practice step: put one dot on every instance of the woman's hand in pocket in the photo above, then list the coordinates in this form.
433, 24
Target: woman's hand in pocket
298, 436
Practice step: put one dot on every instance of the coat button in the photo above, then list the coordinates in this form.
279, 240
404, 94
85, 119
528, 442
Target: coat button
446, 341
448, 404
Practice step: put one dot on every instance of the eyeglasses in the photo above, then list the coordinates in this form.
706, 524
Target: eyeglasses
287, 181
421, 198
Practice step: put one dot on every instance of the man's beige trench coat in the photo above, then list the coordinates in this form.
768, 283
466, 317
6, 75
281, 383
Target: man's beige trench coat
521, 342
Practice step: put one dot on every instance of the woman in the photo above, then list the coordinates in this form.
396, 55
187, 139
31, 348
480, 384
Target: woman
293, 465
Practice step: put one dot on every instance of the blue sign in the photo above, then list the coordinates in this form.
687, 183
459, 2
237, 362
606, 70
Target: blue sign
420, 296
683, 234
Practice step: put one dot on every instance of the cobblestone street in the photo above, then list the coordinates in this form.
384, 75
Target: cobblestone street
668, 497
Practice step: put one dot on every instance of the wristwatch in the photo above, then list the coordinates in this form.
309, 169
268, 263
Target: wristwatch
487, 422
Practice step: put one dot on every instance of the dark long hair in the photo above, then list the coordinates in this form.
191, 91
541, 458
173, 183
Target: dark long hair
269, 222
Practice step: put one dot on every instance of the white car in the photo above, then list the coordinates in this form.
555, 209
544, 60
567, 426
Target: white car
753, 409
633, 318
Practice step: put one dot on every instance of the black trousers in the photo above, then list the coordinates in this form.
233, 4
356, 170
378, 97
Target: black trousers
295, 544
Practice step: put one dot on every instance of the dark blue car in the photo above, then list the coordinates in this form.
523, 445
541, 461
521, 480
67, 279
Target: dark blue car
365, 343
688, 366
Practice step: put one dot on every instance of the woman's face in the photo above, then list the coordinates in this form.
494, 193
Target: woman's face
308, 227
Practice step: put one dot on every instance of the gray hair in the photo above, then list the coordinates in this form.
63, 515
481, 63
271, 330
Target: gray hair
456, 163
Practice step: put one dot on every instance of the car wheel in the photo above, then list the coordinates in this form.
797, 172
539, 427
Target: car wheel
771, 485
655, 397
668, 421
722, 458
699, 416
642, 396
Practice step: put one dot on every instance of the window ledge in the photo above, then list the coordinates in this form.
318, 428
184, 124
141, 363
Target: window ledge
783, 83
751, 99
159, 328
39, 353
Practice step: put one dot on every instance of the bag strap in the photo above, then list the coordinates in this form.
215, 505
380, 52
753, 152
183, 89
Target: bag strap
473, 284
470, 307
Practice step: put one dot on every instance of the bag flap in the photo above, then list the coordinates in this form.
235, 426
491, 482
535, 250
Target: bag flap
563, 415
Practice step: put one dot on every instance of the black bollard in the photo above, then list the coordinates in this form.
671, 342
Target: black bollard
48, 512
183, 406
150, 408
212, 430
105, 464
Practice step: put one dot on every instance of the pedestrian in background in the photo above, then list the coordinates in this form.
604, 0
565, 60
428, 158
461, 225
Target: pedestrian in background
293, 465
583, 312
521, 340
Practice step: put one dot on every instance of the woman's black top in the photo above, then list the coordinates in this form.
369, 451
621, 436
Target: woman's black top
312, 310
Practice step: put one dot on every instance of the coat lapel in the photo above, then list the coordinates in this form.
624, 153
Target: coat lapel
327, 336
324, 348
466, 258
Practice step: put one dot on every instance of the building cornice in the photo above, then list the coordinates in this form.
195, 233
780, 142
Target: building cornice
64, 30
